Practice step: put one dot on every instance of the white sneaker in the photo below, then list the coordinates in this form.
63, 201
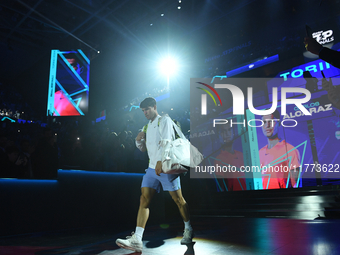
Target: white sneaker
130, 243
187, 236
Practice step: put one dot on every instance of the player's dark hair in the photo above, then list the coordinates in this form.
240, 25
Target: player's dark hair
149, 101
276, 114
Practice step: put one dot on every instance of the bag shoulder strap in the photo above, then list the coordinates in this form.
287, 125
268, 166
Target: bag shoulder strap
177, 130
178, 124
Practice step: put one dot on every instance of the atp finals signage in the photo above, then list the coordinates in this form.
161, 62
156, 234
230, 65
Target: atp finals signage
324, 37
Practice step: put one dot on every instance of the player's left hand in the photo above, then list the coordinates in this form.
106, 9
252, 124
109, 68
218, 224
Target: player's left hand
158, 168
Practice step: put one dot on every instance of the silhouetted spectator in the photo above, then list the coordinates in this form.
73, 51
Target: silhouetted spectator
112, 154
27, 150
3, 145
45, 157
72, 150
15, 164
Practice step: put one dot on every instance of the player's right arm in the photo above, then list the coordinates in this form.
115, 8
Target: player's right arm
140, 141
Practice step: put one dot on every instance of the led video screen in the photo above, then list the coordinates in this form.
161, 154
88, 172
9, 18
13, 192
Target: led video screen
68, 91
253, 151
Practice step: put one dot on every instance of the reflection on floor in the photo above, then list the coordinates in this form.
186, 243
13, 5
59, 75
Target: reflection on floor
214, 236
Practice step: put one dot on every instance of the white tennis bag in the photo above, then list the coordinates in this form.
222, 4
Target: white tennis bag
179, 154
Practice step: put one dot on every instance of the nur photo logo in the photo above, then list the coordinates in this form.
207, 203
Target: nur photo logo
204, 97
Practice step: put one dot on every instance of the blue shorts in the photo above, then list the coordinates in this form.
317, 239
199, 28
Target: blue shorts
169, 182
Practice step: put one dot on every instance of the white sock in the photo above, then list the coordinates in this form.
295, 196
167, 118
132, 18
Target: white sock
139, 233
187, 225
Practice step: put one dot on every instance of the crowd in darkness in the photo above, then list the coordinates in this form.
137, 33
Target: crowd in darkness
12, 105
34, 150
31, 151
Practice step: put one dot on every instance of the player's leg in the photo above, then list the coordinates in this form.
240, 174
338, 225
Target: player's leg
144, 204
184, 211
150, 185
181, 203
172, 183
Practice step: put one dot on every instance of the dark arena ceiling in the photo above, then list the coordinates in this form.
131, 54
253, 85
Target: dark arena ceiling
132, 34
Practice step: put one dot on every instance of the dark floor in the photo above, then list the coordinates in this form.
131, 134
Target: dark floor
215, 236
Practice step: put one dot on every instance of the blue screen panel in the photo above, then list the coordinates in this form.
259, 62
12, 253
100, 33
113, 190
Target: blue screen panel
69, 83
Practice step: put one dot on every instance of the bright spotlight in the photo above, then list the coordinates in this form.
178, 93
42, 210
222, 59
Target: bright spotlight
168, 66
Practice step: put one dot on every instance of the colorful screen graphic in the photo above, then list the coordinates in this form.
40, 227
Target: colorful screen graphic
69, 83
248, 150
293, 159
